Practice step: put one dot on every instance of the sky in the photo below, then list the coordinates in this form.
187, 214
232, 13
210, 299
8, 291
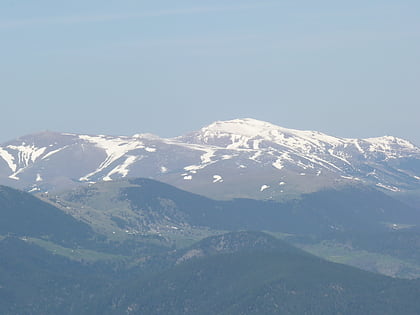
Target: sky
346, 68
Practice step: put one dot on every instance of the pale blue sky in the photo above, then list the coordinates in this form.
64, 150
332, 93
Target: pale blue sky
347, 68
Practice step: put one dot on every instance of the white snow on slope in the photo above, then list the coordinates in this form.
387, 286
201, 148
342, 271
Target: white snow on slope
392, 147
350, 177
257, 136
333, 154
114, 148
278, 164
9, 159
358, 147
264, 187
122, 169
250, 134
206, 160
27, 153
46, 156
26, 156
240, 140
388, 187
256, 155
241, 131
217, 179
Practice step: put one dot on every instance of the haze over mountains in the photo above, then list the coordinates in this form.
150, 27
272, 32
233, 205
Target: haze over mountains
92, 222
58, 265
227, 159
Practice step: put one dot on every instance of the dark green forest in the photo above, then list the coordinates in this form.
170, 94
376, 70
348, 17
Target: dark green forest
220, 262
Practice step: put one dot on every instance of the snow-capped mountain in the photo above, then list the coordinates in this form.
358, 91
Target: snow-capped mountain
236, 158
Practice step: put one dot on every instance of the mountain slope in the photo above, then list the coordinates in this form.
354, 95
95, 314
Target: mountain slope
36, 281
274, 279
22, 214
154, 206
227, 159
371, 229
234, 273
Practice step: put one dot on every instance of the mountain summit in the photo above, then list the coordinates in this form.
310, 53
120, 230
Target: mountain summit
249, 133
227, 159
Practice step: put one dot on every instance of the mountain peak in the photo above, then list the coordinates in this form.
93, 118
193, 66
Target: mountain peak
248, 133
244, 126
250, 127
388, 142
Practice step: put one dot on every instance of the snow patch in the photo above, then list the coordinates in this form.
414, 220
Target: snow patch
34, 189
38, 178
206, 157
391, 188
114, 148
148, 136
333, 154
206, 160
217, 179
255, 156
238, 142
53, 152
358, 147
27, 154
256, 144
278, 164
6, 156
264, 187
123, 168
391, 147
350, 177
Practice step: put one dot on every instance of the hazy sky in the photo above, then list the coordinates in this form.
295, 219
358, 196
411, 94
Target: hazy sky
347, 68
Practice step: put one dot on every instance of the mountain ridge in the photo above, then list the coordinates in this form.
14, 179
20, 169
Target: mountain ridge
273, 160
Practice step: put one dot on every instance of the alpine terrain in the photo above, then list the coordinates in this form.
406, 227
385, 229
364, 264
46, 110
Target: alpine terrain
227, 159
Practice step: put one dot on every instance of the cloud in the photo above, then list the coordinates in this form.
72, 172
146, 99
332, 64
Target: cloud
63, 20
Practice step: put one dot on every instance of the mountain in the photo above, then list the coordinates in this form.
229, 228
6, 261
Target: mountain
233, 273
227, 159
253, 273
361, 226
147, 206
55, 227
36, 281
22, 214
